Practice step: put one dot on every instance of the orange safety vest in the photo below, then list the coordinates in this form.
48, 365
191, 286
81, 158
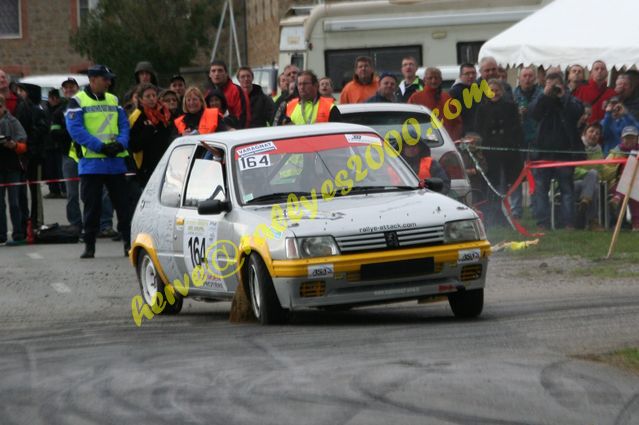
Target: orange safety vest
207, 124
424, 167
323, 109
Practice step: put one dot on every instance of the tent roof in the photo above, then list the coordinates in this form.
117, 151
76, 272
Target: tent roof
567, 32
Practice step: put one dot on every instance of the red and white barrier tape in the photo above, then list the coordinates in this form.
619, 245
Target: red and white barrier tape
70, 179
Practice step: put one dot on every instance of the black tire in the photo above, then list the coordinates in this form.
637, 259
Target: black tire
151, 282
261, 292
467, 304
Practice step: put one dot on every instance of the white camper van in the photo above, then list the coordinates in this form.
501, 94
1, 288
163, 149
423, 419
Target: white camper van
327, 38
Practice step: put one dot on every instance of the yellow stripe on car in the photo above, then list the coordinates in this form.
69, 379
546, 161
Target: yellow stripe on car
352, 262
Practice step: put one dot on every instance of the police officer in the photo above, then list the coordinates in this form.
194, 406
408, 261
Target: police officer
310, 107
96, 122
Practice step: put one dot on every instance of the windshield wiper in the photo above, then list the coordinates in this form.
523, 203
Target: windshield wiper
372, 189
277, 196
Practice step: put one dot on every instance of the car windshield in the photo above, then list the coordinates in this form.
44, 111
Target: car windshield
331, 165
395, 123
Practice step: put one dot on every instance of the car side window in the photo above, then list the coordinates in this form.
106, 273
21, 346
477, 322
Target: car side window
206, 181
175, 175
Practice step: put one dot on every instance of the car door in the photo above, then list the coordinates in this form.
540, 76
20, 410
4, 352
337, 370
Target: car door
163, 219
200, 235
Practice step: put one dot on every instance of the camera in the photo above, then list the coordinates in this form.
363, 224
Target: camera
555, 91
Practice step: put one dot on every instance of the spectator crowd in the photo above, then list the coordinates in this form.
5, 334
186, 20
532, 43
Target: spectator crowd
113, 147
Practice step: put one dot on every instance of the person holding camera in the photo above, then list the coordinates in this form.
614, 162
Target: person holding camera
615, 120
557, 140
13, 142
96, 121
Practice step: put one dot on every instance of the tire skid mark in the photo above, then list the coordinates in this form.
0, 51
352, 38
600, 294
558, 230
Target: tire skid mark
383, 399
557, 379
629, 411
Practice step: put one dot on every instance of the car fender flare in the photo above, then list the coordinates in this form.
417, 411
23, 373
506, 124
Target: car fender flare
250, 244
145, 241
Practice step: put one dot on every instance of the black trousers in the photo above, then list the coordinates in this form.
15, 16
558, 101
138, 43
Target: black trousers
35, 213
91, 192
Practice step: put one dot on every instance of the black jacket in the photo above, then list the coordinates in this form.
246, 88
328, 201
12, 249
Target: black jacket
557, 118
499, 126
152, 141
262, 108
467, 114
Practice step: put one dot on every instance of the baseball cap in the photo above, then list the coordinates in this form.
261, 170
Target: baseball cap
100, 71
70, 80
630, 130
387, 74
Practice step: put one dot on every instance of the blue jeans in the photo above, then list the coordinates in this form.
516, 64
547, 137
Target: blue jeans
564, 176
70, 170
9, 176
74, 215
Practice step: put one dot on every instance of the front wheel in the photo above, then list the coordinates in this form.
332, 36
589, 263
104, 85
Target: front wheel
151, 284
467, 304
264, 302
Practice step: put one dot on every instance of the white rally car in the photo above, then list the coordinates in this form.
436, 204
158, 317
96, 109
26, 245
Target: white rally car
320, 216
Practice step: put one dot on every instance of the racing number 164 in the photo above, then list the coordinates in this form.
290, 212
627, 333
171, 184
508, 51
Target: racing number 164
197, 250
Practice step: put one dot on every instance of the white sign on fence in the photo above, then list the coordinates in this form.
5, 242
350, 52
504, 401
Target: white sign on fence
624, 182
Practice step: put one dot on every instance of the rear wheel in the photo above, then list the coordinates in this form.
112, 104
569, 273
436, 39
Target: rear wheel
467, 304
264, 302
151, 284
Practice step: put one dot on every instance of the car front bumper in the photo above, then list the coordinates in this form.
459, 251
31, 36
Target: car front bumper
346, 282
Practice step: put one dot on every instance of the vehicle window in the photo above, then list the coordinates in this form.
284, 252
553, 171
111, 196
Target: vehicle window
206, 181
327, 163
174, 176
392, 123
468, 51
339, 63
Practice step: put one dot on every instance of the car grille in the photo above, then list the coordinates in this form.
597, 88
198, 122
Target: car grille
406, 238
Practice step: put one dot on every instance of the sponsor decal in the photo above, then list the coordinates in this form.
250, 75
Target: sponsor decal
260, 147
362, 138
387, 227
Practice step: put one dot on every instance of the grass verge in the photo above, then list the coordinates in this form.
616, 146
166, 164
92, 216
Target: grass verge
627, 358
587, 245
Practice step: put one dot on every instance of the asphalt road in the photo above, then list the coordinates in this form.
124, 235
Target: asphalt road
71, 353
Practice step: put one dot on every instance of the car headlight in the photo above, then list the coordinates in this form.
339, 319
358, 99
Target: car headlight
313, 246
464, 231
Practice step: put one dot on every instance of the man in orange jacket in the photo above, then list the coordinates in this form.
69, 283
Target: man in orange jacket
364, 84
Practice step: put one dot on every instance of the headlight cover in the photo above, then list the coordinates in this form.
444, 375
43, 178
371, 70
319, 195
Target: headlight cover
464, 231
309, 247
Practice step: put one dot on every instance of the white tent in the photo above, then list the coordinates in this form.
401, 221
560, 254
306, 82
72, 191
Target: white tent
567, 32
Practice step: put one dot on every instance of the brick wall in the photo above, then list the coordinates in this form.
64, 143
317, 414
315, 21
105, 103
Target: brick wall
44, 47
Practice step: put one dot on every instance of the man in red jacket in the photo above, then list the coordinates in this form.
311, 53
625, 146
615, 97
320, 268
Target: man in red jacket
596, 92
236, 99
433, 97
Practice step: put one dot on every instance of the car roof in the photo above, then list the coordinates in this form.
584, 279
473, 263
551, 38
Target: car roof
255, 135
54, 80
353, 108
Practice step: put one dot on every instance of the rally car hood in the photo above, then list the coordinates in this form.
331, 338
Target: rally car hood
368, 213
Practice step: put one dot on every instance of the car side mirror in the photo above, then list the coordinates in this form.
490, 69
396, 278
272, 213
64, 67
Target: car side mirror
213, 206
435, 184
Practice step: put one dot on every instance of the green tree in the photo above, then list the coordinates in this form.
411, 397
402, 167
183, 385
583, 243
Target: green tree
168, 33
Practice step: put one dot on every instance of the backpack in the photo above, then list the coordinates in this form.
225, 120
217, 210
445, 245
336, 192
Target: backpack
54, 233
